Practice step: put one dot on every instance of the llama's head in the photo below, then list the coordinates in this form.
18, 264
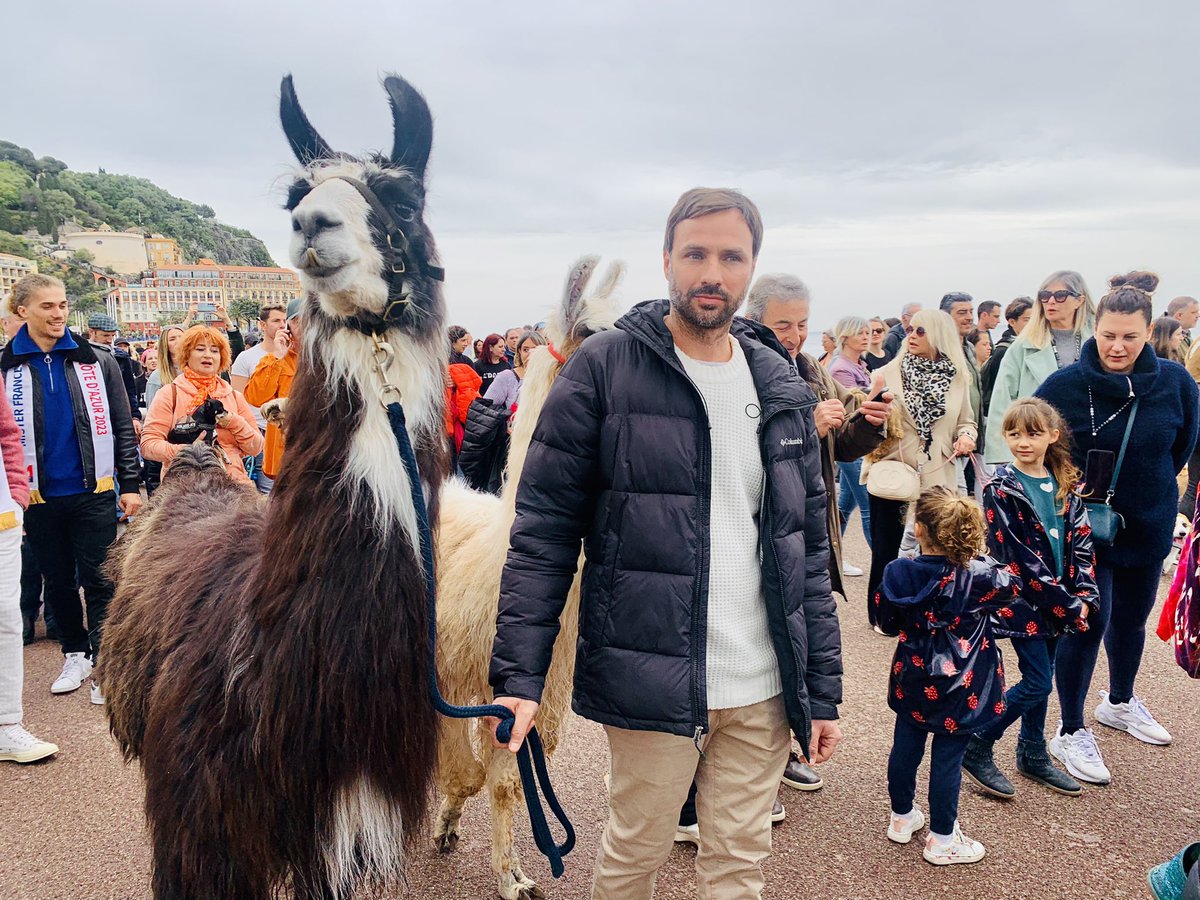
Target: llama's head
359, 237
576, 318
580, 314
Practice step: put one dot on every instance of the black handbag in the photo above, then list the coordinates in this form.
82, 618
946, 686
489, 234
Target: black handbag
1106, 522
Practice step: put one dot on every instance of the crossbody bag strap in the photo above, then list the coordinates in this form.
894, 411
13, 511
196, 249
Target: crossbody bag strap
1112, 486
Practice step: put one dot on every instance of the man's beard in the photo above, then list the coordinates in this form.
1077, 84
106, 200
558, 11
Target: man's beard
685, 306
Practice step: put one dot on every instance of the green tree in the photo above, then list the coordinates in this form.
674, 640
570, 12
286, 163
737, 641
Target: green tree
10, 243
83, 255
244, 312
14, 182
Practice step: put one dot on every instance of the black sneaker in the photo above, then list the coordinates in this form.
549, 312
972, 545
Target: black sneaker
27, 622
981, 769
797, 774
1033, 761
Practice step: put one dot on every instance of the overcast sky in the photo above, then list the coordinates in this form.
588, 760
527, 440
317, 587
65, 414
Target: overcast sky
897, 151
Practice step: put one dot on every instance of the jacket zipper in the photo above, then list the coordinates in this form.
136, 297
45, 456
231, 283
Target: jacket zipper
698, 717
765, 535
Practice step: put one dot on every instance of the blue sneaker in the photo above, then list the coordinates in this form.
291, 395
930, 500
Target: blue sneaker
1167, 880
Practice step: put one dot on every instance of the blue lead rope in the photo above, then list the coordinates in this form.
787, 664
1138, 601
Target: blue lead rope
531, 759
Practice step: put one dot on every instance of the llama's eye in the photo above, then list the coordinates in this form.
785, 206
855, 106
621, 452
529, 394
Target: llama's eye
405, 215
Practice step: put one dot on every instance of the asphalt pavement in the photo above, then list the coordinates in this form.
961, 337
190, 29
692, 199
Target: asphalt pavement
72, 826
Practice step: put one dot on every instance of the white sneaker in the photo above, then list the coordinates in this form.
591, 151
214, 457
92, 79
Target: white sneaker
19, 746
1132, 717
902, 828
97, 694
961, 849
1079, 753
76, 668
851, 571
687, 834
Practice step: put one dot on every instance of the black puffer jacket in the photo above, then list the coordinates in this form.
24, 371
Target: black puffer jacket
620, 460
485, 445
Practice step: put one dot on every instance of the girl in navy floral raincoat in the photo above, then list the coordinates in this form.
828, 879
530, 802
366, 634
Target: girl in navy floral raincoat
1038, 525
947, 676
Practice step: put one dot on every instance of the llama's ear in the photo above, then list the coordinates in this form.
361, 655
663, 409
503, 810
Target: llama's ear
412, 126
612, 277
306, 143
577, 281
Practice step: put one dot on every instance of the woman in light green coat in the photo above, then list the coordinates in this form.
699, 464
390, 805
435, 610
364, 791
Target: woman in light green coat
1064, 317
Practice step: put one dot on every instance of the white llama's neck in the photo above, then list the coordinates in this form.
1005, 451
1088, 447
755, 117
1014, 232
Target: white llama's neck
373, 461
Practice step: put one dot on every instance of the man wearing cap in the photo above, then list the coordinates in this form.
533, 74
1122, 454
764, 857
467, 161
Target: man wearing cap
102, 332
272, 380
69, 402
272, 316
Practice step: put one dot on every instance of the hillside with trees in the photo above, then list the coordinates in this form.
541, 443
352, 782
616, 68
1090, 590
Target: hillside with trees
42, 194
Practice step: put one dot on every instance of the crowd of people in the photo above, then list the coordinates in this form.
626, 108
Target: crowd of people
1023, 490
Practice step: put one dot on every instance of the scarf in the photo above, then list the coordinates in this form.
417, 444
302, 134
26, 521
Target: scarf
19, 384
926, 383
205, 386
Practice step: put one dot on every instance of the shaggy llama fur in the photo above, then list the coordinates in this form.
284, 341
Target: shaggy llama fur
472, 547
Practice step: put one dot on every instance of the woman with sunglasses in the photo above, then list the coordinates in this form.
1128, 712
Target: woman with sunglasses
1121, 388
876, 357
931, 423
1064, 318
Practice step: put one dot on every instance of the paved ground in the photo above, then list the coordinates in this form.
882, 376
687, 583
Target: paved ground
72, 827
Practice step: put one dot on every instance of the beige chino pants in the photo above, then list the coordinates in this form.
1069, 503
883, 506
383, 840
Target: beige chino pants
737, 781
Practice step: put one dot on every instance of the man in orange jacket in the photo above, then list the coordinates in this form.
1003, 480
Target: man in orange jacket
272, 380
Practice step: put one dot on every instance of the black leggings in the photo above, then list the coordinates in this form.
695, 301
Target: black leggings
1187, 503
887, 531
1127, 596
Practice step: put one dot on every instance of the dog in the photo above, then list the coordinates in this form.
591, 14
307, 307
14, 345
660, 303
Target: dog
1183, 528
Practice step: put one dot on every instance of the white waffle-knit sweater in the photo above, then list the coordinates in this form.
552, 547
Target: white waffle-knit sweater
741, 664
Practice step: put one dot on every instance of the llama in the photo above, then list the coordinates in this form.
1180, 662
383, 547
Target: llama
267, 661
472, 545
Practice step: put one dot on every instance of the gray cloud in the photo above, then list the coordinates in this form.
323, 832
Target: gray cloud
896, 151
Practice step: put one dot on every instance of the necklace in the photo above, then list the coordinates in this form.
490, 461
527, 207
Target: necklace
1092, 412
1078, 349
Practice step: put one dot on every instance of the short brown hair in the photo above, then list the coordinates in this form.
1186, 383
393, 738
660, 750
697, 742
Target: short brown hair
24, 289
264, 311
196, 335
704, 202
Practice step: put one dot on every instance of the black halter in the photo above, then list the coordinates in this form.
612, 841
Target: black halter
397, 261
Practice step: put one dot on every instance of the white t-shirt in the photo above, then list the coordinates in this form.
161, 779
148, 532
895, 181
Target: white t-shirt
245, 364
742, 668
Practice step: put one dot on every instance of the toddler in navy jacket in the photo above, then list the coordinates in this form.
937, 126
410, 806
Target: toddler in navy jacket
947, 677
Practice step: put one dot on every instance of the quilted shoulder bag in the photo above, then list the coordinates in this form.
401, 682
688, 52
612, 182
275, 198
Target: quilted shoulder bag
894, 479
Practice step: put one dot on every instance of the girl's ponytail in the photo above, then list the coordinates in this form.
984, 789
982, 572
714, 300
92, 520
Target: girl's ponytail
954, 524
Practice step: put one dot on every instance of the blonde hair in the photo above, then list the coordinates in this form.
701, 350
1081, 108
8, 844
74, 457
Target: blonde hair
942, 334
1037, 332
953, 523
24, 290
849, 327
166, 363
194, 337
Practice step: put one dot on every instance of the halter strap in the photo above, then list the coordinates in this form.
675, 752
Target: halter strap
397, 260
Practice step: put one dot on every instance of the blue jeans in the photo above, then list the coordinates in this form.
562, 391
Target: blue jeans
1027, 698
1127, 596
945, 773
851, 494
261, 480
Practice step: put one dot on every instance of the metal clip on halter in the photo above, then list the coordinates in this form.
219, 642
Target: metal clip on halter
384, 357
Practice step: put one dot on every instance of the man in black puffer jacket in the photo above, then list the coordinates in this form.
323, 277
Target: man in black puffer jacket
681, 450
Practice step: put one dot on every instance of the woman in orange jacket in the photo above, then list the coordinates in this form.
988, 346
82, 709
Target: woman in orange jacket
201, 355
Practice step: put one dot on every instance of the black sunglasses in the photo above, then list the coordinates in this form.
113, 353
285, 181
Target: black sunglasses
919, 331
877, 331
1056, 296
